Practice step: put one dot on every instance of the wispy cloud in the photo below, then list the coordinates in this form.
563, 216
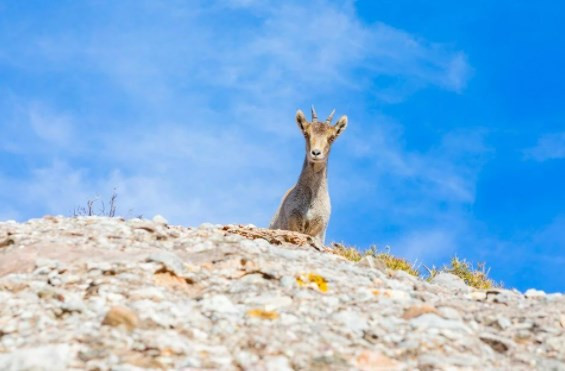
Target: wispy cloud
445, 171
549, 147
428, 245
417, 201
51, 127
278, 51
193, 105
188, 109
32, 127
550, 238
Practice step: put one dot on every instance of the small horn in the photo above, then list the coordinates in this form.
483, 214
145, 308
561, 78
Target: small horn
330, 117
314, 115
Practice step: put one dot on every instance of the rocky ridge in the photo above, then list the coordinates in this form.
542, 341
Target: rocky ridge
106, 293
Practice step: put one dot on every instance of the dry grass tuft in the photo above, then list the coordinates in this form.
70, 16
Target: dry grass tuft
97, 207
391, 261
349, 253
90, 210
476, 277
396, 263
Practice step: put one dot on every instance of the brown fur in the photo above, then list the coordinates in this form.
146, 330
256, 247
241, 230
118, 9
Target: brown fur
306, 206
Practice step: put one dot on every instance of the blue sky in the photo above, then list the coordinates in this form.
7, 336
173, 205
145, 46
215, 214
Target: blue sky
455, 143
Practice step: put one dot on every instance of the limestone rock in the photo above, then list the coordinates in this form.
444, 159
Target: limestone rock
107, 293
450, 281
117, 316
47, 357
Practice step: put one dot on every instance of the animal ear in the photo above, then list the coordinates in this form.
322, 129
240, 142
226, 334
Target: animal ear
340, 125
301, 120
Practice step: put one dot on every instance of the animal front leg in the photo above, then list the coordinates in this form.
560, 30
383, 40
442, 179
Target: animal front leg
317, 229
296, 222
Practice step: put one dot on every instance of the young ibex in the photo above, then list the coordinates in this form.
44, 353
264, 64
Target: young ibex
306, 207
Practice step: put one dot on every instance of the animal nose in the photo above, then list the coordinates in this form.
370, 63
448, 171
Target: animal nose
316, 152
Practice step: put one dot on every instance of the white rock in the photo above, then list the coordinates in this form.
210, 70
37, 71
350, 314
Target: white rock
371, 262
218, 303
207, 324
351, 320
503, 322
450, 281
288, 282
396, 295
269, 301
153, 293
277, 363
160, 219
73, 306
534, 294
246, 359
47, 357
477, 295
253, 247
207, 226
449, 313
430, 320
405, 276
170, 260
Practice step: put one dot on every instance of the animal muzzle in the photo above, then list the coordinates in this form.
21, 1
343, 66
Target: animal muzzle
316, 155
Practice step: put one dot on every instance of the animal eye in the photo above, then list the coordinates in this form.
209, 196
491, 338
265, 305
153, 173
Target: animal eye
331, 139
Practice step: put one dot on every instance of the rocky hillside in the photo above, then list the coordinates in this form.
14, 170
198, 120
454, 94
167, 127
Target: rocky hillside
104, 293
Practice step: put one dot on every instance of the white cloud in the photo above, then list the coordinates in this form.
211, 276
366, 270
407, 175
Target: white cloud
551, 237
36, 128
445, 172
49, 126
51, 189
284, 50
426, 245
549, 147
10, 214
189, 108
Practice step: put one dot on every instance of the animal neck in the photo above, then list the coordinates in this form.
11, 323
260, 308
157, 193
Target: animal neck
314, 175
